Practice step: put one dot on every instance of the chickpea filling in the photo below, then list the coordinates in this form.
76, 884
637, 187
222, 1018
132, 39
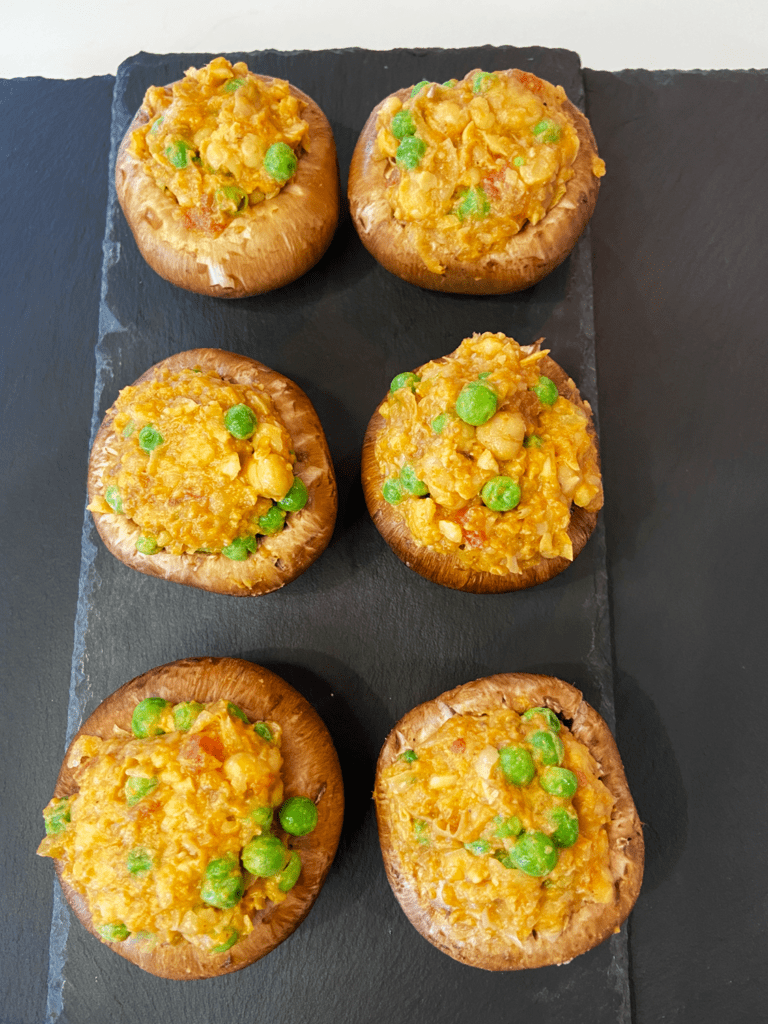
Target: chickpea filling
471, 162
169, 835
199, 464
483, 459
500, 820
220, 141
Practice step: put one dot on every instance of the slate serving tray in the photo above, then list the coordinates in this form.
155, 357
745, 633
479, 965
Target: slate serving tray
360, 635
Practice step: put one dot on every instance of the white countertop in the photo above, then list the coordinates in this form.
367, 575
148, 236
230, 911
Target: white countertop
60, 39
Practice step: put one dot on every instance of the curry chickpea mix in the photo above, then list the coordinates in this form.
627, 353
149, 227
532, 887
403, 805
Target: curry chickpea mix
483, 458
471, 162
502, 820
202, 465
169, 835
220, 141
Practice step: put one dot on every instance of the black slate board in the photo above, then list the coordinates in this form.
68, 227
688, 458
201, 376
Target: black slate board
360, 635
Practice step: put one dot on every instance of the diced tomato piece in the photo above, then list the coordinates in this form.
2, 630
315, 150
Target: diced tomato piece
493, 182
201, 218
473, 538
197, 751
531, 82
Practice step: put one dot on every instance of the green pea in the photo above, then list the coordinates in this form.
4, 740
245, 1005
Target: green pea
550, 718
478, 847
136, 789
139, 861
289, 876
156, 126
439, 423
223, 893
410, 152
451, 83
476, 403
404, 380
482, 81
501, 494
147, 546
419, 85
185, 713
566, 826
296, 498
272, 522
233, 84
534, 853
484, 375
264, 731
147, 715
222, 867
474, 203
232, 195
228, 943
507, 827
545, 390
533, 441
558, 782
149, 438
240, 421
57, 816
178, 154
503, 857
237, 712
547, 747
518, 161
409, 756
546, 131
421, 832
223, 883
392, 491
129, 428
298, 815
239, 549
115, 931
264, 856
280, 161
517, 765
114, 500
402, 124
261, 816
411, 482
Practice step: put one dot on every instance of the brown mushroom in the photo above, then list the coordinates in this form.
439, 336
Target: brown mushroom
310, 767
279, 558
444, 568
592, 922
266, 247
526, 258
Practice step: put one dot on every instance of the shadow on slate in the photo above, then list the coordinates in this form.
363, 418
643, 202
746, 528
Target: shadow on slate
359, 633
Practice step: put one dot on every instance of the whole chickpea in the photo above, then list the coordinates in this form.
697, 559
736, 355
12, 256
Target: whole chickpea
503, 434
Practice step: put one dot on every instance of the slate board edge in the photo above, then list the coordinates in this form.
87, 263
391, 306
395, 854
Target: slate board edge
600, 666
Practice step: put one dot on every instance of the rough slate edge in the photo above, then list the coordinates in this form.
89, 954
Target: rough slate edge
599, 662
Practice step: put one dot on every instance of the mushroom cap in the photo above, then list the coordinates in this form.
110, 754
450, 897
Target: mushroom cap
278, 559
310, 768
267, 247
593, 922
525, 259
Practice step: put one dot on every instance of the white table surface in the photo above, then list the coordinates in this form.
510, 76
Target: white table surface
70, 39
